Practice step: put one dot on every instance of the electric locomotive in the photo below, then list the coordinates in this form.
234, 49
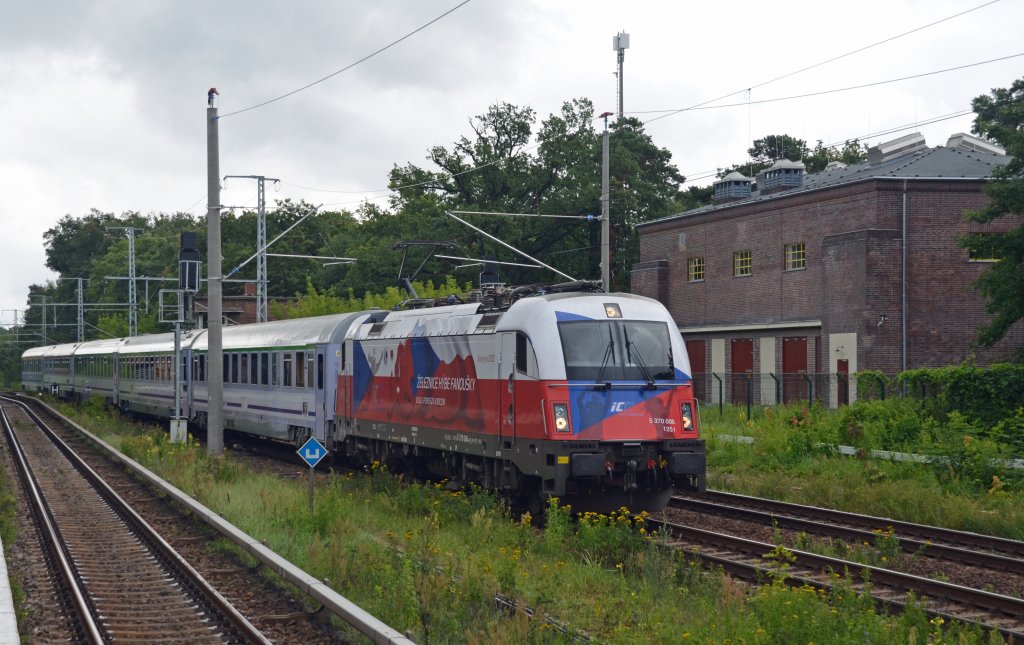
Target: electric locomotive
566, 391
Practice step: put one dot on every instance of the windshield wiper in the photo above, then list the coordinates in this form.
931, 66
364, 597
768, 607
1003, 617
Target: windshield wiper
635, 353
609, 352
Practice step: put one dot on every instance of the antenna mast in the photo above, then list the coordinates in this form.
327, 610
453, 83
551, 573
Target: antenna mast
620, 43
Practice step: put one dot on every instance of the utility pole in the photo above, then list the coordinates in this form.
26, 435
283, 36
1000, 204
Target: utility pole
44, 321
133, 311
620, 43
215, 353
261, 242
81, 313
605, 210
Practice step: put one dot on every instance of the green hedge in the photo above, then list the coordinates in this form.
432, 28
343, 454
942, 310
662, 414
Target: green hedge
988, 395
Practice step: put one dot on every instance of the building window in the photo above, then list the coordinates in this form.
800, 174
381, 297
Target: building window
695, 270
796, 256
982, 248
741, 263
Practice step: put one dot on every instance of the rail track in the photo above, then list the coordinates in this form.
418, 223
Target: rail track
280, 614
120, 578
931, 541
746, 559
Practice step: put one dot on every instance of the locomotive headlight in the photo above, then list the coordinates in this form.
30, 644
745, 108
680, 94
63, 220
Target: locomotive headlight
562, 417
687, 416
611, 310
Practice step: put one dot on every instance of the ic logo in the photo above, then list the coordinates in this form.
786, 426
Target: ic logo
618, 406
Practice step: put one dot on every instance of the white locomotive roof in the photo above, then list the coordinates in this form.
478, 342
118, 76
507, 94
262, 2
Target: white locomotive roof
298, 332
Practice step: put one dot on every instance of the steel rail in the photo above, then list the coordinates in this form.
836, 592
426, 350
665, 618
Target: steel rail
50, 536
354, 615
992, 606
920, 531
149, 535
926, 548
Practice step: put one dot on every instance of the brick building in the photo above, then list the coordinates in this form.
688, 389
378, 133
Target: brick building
786, 285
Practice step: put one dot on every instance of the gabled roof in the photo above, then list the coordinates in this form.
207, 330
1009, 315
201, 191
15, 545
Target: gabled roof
939, 162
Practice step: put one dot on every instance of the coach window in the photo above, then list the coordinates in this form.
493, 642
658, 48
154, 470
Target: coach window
300, 369
310, 369
286, 381
275, 374
254, 368
319, 371
243, 368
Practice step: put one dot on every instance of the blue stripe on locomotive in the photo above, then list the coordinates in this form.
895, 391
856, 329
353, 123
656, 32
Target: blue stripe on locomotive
425, 361
361, 375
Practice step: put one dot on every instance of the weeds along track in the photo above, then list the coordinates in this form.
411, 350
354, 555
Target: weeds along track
760, 561
121, 580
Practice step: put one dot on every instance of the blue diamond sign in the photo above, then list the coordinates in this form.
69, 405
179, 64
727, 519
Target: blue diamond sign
312, 452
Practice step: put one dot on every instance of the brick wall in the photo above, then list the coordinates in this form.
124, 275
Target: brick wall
852, 236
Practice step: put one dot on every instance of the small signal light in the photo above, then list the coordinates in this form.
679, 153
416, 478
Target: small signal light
687, 414
611, 310
561, 411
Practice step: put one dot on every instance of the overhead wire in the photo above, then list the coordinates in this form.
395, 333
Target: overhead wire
350, 66
830, 60
835, 90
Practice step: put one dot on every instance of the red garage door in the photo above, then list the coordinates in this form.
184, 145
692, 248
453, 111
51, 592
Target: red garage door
742, 368
697, 351
794, 367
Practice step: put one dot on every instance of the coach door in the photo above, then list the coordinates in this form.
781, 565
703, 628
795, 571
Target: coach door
320, 388
507, 388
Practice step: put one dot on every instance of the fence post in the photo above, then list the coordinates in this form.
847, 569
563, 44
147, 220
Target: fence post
750, 393
778, 388
810, 388
721, 393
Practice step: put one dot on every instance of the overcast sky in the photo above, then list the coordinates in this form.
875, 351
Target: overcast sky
103, 102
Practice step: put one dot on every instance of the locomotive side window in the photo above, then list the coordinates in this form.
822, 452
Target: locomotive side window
521, 352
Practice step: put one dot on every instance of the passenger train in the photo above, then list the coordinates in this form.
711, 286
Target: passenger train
534, 392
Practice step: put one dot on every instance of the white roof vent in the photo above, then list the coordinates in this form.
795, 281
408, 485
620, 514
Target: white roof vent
965, 141
905, 145
834, 165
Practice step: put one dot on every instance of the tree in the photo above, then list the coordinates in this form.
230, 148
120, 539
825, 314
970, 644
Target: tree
1000, 118
766, 151
497, 172
852, 152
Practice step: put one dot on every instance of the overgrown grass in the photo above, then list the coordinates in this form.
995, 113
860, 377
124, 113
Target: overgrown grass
431, 561
793, 457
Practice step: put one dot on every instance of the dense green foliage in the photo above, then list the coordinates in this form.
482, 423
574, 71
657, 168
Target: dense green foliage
1001, 119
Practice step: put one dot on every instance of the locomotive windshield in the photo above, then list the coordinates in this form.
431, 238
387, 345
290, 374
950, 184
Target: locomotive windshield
599, 350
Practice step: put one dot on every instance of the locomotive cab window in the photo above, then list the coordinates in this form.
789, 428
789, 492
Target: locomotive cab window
611, 350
